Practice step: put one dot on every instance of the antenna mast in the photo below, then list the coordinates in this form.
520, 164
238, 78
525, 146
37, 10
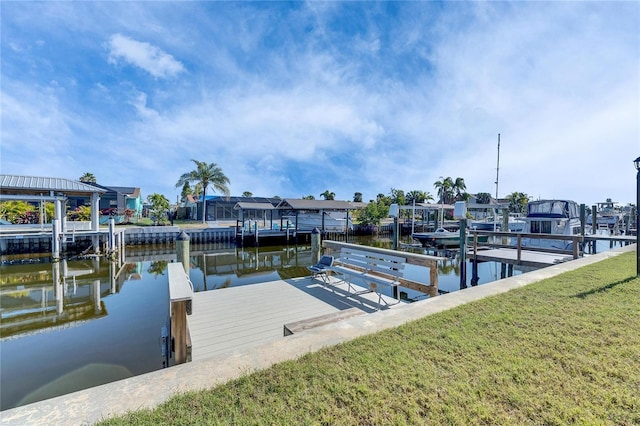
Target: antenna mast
498, 167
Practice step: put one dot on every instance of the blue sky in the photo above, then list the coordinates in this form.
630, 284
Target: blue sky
292, 99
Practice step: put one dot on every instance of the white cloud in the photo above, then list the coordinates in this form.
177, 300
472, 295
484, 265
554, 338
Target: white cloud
296, 100
144, 55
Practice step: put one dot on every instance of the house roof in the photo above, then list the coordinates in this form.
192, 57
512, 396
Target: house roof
253, 206
302, 204
126, 190
31, 184
129, 191
234, 200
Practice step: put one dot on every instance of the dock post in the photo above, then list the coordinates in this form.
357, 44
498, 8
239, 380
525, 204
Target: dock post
111, 240
182, 250
594, 220
55, 240
315, 245
474, 263
180, 294
463, 254
394, 233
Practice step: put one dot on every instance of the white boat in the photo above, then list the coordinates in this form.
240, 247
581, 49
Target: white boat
443, 238
516, 223
609, 217
558, 217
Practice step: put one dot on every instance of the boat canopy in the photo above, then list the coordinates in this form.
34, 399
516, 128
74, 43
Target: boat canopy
553, 209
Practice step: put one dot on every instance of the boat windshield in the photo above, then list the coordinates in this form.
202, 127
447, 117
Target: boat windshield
553, 208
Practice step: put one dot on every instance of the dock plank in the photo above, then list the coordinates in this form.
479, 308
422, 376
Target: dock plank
235, 318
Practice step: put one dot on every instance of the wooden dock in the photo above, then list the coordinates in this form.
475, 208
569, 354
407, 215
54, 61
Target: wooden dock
535, 259
236, 318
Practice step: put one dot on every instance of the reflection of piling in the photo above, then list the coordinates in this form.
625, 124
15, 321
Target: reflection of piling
315, 245
182, 250
57, 287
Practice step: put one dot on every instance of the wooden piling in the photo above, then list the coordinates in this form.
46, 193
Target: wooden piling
180, 295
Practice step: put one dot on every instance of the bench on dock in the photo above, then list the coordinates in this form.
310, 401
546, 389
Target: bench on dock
309, 323
375, 269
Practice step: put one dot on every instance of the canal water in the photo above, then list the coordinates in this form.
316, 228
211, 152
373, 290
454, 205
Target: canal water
80, 323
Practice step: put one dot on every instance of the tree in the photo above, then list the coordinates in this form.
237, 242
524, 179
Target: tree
460, 187
328, 195
206, 174
186, 191
159, 208
483, 198
308, 197
382, 199
247, 194
418, 196
445, 189
373, 214
518, 202
357, 197
397, 197
88, 178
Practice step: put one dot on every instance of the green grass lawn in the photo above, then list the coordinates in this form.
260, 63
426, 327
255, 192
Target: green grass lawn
565, 350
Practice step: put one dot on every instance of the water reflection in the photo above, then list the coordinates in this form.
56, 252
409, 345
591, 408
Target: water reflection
38, 296
75, 324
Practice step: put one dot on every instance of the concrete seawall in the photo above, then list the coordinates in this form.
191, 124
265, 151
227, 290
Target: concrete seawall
40, 242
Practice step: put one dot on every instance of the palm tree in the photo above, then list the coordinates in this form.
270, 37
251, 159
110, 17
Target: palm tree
445, 189
328, 195
186, 191
247, 194
206, 174
460, 187
518, 202
483, 198
88, 178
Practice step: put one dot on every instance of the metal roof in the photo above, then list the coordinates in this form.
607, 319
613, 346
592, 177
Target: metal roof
36, 183
253, 206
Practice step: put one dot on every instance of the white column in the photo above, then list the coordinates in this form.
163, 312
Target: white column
95, 211
55, 240
58, 214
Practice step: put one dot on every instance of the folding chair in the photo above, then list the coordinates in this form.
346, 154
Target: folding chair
321, 268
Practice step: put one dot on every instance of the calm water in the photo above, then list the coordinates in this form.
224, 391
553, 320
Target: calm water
82, 323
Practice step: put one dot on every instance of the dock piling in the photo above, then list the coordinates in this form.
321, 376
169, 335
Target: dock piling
180, 296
